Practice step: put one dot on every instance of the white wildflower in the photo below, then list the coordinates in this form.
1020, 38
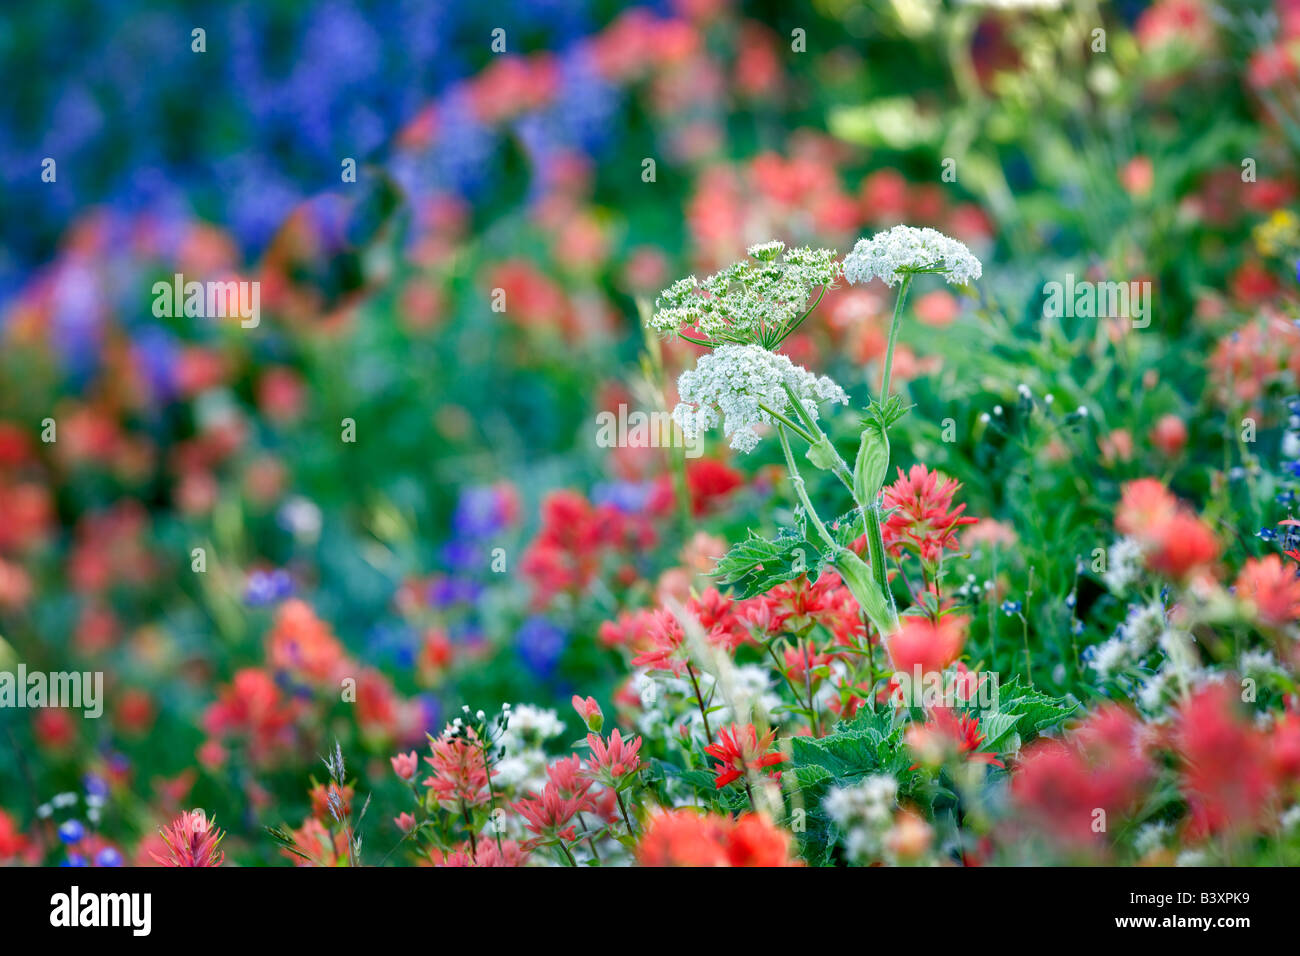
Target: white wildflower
766, 251
530, 725
1152, 837
1290, 819
758, 301
863, 812
1143, 627
1259, 664
743, 382
1124, 565
871, 801
905, 250
1109, 657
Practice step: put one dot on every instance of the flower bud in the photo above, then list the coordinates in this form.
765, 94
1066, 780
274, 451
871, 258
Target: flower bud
872, 463
590, 712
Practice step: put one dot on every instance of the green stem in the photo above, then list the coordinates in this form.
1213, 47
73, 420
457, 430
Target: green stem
876, 549
690, 672
631, 831
787, 332
893, 336
784, 420
801, 492
567, 855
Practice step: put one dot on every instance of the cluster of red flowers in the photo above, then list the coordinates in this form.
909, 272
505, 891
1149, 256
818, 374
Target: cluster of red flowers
576, 538
688, 838
1272, 586
1103, 765
740, 752
1176, 542
1233, 775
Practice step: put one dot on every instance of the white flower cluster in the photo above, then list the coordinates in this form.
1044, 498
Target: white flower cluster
747, 301
1124, 565
738, 381
523, 765
1179, 674
892, 254
663, 711
1139, 633
864, 812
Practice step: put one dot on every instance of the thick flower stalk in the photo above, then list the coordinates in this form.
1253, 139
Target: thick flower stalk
895, 256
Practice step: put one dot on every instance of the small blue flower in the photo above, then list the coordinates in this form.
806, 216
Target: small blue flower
108, 857
1010, 608
72, 832
96, 786
540, 643
267, 587
75, 859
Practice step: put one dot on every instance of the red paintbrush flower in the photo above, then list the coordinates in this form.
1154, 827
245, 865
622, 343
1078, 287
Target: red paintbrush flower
1272, 588
549, 814
923, 519
687, 838
739, 751
946, 735
191, 840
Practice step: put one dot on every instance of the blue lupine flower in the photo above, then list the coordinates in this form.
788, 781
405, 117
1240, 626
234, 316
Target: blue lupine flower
541, 643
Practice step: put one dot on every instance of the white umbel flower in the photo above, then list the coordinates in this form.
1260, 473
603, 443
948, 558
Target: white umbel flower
737, 382
758, 300
893, 254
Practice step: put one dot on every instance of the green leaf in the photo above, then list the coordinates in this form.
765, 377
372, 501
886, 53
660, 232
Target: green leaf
756, 564
1034, 712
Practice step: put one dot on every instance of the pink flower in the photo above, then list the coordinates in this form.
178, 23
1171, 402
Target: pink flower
923, 643
460, 773
549, 814
1272, 588
405, 765
923, 518
405, 822
590, 713
191, 841
614, 764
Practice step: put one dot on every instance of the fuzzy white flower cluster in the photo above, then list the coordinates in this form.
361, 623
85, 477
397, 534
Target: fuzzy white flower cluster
1139, 633
738, 382
752, 301
524, 760
892, 254
1124, 565
863, 812
662, 710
